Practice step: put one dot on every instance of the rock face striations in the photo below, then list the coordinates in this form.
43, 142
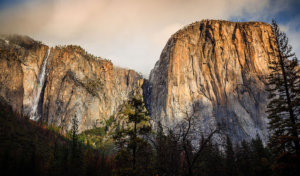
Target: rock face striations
62, 82
87, 87
214, 71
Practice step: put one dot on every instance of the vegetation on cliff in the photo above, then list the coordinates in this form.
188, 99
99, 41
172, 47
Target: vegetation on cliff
78, 49
93, 86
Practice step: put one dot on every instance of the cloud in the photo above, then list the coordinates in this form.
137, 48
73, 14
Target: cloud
131, 33
293, 33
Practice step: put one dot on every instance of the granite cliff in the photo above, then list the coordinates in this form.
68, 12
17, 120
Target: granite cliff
57, 84
214, 71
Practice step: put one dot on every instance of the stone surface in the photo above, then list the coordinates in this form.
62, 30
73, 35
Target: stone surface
20, 60
214, 71
88, 87
76, 84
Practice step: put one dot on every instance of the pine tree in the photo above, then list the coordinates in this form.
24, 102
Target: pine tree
243, 159
229, 158
260, 158
210, 162
76, 153
284, 94
130, 137
74, 133
167, 157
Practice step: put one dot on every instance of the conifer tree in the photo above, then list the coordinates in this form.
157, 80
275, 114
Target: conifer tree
260, 157
130, 137
167, 157
74, 133
76, 155
243, 159
284, 94
229, 158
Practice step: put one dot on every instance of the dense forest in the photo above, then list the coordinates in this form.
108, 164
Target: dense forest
37, 149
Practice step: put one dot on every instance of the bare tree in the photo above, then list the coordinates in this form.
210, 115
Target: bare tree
191, 144
185, 143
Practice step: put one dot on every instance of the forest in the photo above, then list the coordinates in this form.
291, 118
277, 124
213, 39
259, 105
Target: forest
37, 149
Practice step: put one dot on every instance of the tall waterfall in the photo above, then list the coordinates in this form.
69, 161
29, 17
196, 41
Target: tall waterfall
37, 93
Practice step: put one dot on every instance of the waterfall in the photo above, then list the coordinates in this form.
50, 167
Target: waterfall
40, 83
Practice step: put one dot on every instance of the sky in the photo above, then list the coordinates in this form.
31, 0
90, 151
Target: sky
132, 33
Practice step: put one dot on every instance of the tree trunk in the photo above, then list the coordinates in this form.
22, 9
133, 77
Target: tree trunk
291, 112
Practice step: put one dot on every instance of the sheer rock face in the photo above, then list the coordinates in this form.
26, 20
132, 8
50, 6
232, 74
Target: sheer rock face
91, 89
77, 84
214, 71
20, 61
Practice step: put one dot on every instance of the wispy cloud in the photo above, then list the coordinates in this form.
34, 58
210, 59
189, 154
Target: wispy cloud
292, 29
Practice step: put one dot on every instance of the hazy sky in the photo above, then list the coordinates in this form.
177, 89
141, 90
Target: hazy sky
132, 33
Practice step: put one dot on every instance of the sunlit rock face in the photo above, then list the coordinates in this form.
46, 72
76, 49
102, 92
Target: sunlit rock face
90, 88
75, 83
211, 70
214, 71
20, 63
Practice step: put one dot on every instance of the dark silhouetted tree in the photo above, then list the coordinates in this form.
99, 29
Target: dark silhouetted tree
261, 158
284, 106
229, 158
187, 134
76, 153
167, 153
